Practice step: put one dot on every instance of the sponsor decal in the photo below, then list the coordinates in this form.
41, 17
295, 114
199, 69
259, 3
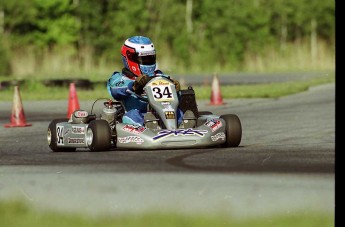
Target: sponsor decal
219, 135
160, 82
214, 124
120, 83
59, 135
130, 139
179, 132
78, 130
80, 113
66, 132
145, 53
166, 104
168, 108
169, 114
136, 129
75, 140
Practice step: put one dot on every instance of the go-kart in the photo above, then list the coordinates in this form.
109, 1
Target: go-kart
105, 131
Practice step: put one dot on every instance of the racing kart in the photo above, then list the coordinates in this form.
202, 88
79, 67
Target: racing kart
106, 130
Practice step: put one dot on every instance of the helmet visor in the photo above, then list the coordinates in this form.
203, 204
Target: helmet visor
146, 60
142, 58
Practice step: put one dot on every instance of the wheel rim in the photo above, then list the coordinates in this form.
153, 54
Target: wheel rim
49, 136
89, 137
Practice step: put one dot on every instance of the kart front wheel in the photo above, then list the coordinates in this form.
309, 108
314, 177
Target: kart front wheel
98, 135
52, 136
233, 130
205, 113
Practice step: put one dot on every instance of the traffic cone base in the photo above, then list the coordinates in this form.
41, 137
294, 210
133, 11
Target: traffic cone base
17, 116
11, 125
73, 103
216, 96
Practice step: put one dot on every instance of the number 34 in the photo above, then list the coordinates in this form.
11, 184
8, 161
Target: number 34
162, 92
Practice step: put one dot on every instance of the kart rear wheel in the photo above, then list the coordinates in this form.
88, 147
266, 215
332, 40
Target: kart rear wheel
98, 136
52, 136
233, 130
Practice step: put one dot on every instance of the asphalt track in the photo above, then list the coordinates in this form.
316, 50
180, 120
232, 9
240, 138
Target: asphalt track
284, 164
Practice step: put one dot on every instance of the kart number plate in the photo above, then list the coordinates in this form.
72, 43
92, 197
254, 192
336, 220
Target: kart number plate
162, 93
59, 135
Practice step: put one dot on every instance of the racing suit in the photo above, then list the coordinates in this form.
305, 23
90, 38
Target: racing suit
117, 86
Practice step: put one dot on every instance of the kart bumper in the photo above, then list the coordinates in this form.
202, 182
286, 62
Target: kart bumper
144, 138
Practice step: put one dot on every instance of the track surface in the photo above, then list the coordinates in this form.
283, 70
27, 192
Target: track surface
284, 164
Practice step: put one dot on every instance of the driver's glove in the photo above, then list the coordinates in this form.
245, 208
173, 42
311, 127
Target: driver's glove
177, 84
139, 83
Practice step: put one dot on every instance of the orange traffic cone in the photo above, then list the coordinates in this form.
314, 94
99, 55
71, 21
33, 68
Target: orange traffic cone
73, 103
216, 96
17, 116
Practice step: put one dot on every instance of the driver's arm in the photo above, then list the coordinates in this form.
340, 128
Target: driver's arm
117, 86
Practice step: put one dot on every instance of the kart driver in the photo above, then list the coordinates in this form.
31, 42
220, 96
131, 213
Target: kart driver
139, 60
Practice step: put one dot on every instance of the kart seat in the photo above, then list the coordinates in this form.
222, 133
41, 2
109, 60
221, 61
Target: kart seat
188, 101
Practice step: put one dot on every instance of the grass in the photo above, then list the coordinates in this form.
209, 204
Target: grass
67, 61
35, 90
19, 214
270, 90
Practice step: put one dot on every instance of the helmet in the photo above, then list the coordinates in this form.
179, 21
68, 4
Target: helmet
139, 55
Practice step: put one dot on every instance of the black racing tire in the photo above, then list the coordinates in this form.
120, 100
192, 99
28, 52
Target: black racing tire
82, 83
205, 113
52, 137
98, 135
233, 130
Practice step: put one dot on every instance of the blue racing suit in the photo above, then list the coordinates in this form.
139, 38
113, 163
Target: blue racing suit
117, 86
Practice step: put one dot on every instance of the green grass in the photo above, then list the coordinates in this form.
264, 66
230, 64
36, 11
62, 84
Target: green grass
18, 214
67, 61
35, 90
271, 90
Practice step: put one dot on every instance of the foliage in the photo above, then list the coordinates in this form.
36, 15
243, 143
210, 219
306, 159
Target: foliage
205, 33
40, 22
4, 60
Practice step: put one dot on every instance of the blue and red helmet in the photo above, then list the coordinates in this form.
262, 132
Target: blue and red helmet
139, 55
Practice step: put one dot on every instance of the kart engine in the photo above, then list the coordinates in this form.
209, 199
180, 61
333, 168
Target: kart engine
112, 111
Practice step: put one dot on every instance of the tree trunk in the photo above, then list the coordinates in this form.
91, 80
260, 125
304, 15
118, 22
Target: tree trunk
313, 40
2, 23
283, 37
189, 10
